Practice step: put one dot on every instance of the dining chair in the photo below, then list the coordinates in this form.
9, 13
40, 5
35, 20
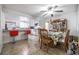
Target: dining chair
66, 40
45, 39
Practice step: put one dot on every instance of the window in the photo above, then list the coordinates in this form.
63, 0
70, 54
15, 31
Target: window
11, 25
24, 22
24, 25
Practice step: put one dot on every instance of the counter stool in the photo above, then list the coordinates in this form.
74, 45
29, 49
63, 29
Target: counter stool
13, 34
27, 32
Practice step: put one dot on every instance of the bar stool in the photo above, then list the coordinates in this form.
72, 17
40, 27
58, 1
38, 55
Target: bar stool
27, 32
13, 34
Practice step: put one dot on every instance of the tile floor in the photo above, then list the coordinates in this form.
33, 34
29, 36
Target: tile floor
29, 47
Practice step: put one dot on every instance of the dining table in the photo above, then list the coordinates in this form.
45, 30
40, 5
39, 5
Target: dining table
57, 36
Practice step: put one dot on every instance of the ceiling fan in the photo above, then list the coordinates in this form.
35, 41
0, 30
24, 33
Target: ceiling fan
50, 10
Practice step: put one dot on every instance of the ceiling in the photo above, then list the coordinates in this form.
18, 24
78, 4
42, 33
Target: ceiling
34, 9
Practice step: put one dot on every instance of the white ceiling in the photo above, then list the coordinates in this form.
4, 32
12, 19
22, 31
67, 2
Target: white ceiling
34, 9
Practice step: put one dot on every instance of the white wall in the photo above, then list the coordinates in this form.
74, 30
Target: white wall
41, 20
0, 30
78, 20
2, 24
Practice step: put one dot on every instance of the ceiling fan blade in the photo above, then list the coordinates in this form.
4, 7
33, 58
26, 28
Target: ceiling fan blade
45, 14
58, 11
55, 6
50, 8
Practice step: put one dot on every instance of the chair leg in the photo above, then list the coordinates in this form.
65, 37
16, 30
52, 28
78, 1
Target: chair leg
38, 41
65, 49
47, 47
40, 45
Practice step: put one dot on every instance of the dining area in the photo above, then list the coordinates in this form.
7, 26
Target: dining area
55, 37
40, 34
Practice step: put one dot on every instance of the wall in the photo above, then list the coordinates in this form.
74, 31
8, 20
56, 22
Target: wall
2, 25
41, 20
0, 31
78, 20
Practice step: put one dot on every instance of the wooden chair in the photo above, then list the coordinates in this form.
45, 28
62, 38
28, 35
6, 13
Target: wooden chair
66, 40
39, 35
44, 39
